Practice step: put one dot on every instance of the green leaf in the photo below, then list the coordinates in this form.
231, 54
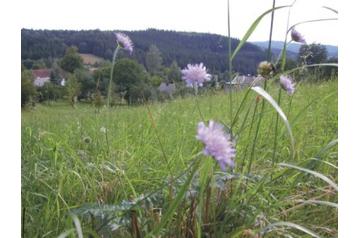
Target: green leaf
274, 104
252, 29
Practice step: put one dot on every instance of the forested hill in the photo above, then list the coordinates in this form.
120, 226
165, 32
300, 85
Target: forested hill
183, 47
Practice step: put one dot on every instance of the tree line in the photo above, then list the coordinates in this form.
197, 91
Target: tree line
182, 47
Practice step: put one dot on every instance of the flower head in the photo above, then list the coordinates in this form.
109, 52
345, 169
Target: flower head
195, 75
265, 69
298, 37
287, 84
217, 143
125, 41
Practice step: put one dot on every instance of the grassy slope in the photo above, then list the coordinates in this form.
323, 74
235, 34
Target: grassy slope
60, 170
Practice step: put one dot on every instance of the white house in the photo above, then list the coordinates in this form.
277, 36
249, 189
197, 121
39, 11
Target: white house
41, 76
168, 88
242, 81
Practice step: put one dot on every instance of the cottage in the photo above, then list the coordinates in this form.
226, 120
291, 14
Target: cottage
41, 76
242, 81
168, 88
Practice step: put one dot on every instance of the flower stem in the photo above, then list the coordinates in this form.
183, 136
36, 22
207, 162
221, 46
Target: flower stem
252, 155
271, 29
230, 61
250, 130
197, 106
111, 76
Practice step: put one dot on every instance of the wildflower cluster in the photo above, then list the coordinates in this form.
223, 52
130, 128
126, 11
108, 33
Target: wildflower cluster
287, 84
217, 143
297, 37
124, 41
195, 75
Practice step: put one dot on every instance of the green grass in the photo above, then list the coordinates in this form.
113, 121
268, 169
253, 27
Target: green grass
67, 162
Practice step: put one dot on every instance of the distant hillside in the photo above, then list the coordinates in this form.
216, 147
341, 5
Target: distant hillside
183, 47
293, 48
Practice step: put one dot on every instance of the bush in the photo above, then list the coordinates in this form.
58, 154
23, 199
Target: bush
28, 90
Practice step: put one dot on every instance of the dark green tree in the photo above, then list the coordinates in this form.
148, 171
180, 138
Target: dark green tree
38, 64
174, 73
28, 90
312, 54
73, 88
97, 100
71, 61
185, 48
103, 74
87, 81
56, 74
153, 60
131, 80
50, 92
28, 63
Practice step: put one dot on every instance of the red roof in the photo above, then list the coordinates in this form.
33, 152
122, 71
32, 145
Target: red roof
41, 73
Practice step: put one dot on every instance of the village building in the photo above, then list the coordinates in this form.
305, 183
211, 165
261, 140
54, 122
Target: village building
243, 81
41, 76
167, 88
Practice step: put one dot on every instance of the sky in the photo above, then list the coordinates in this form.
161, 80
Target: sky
208, 16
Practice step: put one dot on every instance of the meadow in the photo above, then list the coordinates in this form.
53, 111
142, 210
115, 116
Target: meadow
138, 171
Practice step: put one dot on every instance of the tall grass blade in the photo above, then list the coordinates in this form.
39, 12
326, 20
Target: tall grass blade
78, 227
275, 225
331, 9
174, 204
252, 29
328, 146
236, 117
308, 66
271, 30
229, 60
66, 233
325, 162
278, 109
319, 98
314, 173
319, 202
310, 21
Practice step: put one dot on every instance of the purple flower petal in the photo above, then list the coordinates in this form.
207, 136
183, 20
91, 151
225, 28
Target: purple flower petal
195, 75
287, 84
125, 41
217, 143
297, 37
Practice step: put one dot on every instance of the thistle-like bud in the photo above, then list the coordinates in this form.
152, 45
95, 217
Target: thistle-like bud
297, 37
265, 69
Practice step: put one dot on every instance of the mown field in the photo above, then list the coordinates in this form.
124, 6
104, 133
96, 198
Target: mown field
75, 161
